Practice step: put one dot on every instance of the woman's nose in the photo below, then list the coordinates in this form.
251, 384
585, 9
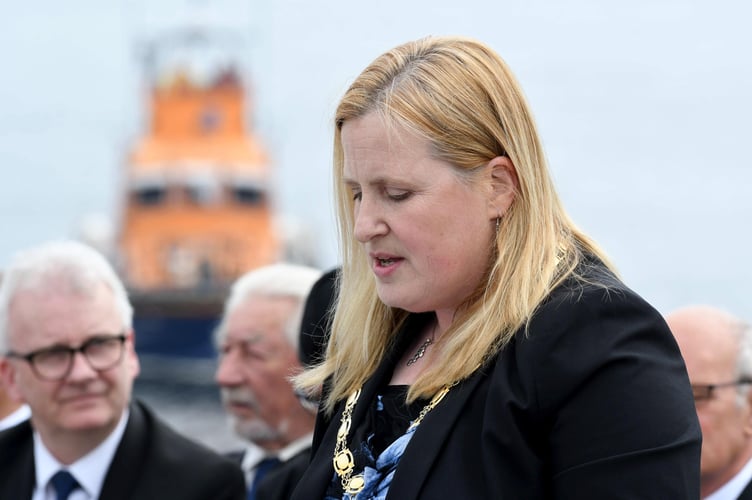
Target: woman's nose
369, 222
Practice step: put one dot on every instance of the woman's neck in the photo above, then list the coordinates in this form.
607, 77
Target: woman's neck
417, 356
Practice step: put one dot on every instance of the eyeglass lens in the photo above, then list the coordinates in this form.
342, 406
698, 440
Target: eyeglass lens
101, 353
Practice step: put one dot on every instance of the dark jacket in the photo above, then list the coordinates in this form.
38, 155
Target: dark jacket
593, 402
281, 481
152, 462
278, 483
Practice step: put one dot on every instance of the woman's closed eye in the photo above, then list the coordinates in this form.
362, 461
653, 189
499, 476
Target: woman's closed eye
398, 194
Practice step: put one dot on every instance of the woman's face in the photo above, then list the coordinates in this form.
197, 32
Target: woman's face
427, 234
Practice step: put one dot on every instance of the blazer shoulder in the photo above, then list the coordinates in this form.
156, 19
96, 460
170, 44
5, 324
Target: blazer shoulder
152, 454
589, 326
591, 301
177, 450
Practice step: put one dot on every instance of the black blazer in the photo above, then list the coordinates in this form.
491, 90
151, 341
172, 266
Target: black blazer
593, 403
152, 462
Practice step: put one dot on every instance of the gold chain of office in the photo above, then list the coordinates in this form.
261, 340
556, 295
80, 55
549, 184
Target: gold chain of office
344, 462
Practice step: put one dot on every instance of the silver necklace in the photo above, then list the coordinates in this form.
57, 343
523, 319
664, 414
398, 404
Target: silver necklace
422, 348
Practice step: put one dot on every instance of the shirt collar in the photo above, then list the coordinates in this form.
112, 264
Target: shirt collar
255, 454
19, 415
732, 489
295, 447
89, 470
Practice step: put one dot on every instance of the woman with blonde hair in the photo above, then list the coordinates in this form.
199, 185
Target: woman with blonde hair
482, 345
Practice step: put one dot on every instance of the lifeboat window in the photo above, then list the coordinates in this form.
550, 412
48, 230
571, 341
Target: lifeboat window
149, 195
248, 195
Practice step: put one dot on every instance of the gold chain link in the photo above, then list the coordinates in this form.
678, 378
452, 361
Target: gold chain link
344, 461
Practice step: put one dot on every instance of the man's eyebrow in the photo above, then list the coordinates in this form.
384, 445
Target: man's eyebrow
248, 339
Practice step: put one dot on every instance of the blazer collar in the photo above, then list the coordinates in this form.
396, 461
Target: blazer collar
425, 445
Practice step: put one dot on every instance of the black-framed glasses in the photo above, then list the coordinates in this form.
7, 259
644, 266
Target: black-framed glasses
55, 363
703, 392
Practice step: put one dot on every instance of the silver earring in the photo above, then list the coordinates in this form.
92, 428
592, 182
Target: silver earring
498, 223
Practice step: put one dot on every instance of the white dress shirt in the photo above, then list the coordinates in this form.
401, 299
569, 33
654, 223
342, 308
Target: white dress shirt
89, 470
734, 488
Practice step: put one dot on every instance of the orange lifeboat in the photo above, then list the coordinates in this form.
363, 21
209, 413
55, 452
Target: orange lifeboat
197, 210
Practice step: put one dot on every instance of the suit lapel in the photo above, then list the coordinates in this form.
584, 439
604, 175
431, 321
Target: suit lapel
122, 476
429, 437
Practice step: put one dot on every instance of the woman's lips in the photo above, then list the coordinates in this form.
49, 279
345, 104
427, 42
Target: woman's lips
384, 266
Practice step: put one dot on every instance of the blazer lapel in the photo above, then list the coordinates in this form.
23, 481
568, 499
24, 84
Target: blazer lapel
423, 448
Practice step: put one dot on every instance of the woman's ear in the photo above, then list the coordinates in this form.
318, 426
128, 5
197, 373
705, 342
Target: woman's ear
504, 185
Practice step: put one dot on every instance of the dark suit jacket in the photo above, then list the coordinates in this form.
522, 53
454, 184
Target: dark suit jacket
152, 462
280, 482
592, 403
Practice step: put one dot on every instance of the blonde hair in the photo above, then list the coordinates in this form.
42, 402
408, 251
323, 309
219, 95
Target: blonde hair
460, 96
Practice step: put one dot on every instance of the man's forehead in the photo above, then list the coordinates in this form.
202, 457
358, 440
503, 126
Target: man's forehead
46, 314
245, 337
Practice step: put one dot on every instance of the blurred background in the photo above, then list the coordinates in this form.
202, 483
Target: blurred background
643, 108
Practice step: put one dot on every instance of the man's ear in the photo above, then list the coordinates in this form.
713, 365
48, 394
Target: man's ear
131, 356
748, 420
8, 380
504, 186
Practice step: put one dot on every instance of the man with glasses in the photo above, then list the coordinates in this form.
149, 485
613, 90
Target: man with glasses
67, 350
717, 349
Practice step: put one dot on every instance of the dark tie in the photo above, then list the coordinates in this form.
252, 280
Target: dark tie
63, 482
262, 468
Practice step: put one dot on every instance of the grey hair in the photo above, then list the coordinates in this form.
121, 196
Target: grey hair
275, 280
76, 264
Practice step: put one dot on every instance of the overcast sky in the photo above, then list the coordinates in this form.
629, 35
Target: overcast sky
643, 107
